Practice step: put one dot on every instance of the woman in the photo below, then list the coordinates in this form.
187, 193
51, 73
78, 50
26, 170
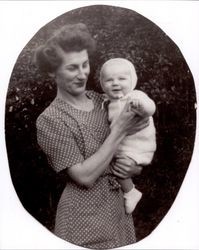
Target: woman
74, 133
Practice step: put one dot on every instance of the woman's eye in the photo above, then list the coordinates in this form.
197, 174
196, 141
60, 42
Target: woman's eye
71, 68
85, 65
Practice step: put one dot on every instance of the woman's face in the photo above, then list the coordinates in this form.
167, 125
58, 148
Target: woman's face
72, 75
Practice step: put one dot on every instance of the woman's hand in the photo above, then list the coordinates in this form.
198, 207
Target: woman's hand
138, 123
128, 122
125, 167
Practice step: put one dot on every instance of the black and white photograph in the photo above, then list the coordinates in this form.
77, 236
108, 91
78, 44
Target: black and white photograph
99, 134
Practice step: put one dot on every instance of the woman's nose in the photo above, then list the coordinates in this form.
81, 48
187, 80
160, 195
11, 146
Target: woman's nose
82, 74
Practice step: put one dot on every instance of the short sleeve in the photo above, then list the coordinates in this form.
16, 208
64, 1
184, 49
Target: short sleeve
140, 95
147, 103
58, 143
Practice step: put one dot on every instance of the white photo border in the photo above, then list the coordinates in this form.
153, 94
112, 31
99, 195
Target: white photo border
19, 21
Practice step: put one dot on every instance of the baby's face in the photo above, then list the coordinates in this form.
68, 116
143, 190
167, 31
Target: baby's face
116, 80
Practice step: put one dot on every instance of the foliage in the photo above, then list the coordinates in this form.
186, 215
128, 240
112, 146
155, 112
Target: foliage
163, 74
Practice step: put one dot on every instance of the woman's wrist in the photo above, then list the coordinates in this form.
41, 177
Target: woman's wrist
118, 134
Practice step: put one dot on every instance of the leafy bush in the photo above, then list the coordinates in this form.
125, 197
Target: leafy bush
163, 74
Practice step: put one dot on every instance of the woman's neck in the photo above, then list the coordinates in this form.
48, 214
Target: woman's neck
81, 102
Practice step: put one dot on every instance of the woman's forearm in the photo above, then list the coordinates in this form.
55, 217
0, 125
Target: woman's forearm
87, 172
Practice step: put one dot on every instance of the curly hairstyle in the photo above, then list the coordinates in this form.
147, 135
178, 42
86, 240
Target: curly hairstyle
70, 38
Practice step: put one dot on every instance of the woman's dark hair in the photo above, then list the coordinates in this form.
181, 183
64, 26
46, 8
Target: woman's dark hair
70, 38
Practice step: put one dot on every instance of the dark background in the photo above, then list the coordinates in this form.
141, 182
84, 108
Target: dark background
162, 73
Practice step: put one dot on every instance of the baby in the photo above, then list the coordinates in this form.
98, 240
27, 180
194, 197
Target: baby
118, 79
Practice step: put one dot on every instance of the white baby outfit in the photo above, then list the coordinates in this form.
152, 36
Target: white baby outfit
140, 146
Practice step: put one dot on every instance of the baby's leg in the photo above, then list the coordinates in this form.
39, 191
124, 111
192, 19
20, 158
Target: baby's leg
126, 184
131, 194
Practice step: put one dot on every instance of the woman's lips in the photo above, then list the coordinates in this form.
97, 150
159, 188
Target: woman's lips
80, 84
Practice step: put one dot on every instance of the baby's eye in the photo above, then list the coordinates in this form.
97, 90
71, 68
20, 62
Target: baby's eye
108, 80
122, 78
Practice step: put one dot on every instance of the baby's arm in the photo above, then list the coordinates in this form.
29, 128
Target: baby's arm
142, 104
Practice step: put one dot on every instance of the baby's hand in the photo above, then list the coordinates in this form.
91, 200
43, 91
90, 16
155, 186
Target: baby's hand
135, 104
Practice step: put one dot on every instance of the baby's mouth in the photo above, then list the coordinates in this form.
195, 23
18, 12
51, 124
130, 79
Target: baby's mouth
116, 90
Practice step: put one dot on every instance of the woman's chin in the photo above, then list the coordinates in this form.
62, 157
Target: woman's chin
80, 91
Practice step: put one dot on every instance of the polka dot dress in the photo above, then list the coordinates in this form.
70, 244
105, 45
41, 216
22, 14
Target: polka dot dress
89, 217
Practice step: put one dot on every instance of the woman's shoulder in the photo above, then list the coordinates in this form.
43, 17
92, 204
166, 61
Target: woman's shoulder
52, 112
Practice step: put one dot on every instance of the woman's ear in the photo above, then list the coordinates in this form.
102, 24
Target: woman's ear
51, 74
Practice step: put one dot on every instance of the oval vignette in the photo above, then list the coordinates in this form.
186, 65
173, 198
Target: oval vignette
162, 73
